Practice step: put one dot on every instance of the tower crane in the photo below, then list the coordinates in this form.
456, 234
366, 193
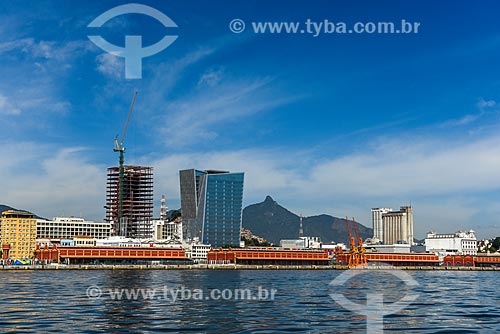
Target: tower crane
121, 150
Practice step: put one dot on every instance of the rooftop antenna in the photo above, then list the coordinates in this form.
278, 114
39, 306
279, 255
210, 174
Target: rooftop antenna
163, 208
301, 229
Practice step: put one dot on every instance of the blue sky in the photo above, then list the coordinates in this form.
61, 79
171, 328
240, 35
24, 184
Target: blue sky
337, 123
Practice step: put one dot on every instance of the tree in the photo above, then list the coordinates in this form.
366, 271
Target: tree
256, 243
175, 214
496, 243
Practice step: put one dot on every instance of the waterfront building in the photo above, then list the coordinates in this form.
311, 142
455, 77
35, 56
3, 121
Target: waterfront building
164, 230
120, 241
301, 243
68, 227
84, 241
332, 247
377, 225
211, 206
44, 242
395, 248
112, 255
398, 226
76, 241
67, 243
167, 231
266, 256
137, 208
197, 252
292, 244
18, 230
458, 243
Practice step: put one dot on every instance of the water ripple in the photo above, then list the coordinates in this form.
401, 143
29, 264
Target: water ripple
56, 301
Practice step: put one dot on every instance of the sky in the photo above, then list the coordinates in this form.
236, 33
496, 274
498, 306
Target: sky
324, 123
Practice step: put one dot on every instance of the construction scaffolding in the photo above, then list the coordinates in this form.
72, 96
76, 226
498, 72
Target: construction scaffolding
136, 221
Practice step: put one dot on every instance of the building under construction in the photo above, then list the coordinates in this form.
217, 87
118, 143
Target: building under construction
137, 201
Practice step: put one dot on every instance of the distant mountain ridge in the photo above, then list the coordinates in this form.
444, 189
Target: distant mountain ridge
273, 222
4, 207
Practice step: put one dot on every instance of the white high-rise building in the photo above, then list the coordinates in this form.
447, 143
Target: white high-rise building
167, 231
68, 227
392, 227
378, 228
458, 243
398, 226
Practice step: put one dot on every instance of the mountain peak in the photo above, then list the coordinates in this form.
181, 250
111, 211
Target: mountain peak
269, 199
274, 222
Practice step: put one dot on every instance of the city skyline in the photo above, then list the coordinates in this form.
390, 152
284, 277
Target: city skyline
334, 124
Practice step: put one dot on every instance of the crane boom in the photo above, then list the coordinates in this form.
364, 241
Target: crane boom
351, 239
360, 240
348, 227
121, 222
128, 118
355, 228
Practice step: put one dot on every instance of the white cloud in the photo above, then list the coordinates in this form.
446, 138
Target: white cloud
7, 108
200, 113
415, 169
32, 101
166, 75
448, 183
33, 75
486, 103
47, 50
465, 120
428, 174
486, 108
52, 184
211, 77
22, 45
159, 80
110, 65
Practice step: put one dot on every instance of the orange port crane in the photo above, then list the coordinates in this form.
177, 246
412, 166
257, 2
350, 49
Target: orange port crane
361, 256
352, 243
353, 250
356, 256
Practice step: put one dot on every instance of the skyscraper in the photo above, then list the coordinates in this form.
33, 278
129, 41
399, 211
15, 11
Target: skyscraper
211, 204
137, 201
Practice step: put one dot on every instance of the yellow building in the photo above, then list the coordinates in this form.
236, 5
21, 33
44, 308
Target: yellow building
18, 229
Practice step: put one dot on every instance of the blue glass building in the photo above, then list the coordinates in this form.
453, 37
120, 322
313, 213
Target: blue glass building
211, 205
